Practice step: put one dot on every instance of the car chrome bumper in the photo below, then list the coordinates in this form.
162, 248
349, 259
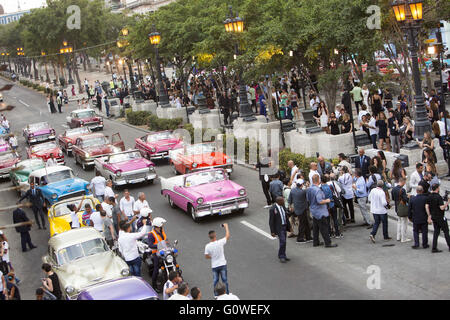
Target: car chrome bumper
222, 210
123, 180
161, 155
5, 173
226, 167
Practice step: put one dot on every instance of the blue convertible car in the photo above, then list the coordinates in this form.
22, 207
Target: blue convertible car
58, 183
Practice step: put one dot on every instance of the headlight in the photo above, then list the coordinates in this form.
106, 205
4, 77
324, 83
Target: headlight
70, 290
87, 155
229, 160
169, 258
194, 165
118, 173
153, 150
69, 144
54, 196
161, 252
200, 200
151, 169
125, 272
242, 192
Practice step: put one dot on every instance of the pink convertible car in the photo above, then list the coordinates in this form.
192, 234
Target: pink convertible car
205, 193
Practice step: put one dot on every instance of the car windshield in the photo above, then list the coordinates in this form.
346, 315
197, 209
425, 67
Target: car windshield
86, 114
160, 136
121, 157
97, 141
7, 156
38, 126
77, 131
204, 178
80, 250
62, 210
43, 146
59, 176
200, 148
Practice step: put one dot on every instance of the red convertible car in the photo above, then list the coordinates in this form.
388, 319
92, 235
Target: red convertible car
156, 145
95, 145
43, 151
199, 156
67, 139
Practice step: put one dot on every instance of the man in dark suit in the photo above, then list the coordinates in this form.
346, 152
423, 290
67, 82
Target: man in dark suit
363, 163
20, 216
225, 107
425, 182
279, 224
298, 202
418, 215
36, 198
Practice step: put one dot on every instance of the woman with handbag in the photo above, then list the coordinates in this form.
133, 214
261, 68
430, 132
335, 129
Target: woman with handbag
401, 208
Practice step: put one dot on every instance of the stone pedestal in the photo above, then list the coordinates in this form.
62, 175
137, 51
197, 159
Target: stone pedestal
208, 120
171, 113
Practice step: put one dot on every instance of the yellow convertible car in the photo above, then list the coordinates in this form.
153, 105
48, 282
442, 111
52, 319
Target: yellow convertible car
59, 215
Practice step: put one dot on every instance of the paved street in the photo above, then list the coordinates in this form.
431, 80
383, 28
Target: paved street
254, 270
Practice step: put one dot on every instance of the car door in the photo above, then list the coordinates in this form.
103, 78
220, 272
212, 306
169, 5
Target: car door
76, 148
74, 120
116, 141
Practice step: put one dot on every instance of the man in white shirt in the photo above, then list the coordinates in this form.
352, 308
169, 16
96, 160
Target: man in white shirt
128, 247
107, 206
221, 295
13, 142
214, 251
294, 170
314, 102
378, 203
171, 285
182, 293
98, 183
312, 171
126, 205
51, 162
416, 177
139, 204
108, 189
373, 130
97, 221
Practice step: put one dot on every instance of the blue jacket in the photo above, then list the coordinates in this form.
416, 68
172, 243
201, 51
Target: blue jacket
328, 194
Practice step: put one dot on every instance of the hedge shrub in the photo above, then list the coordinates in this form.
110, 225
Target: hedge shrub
157, 124
137, 118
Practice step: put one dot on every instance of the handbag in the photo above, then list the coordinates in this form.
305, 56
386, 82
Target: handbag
402, 209
337, 200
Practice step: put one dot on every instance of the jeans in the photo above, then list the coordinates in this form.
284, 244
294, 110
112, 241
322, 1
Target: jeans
424, 228
380, 218
373, 137
357, 105
282, 238
135, 266
439, 225
362, 202
349, 203
333, 215
321, 225
25, 239
39, 212
395, 143
222, 272
304, 229
402, 227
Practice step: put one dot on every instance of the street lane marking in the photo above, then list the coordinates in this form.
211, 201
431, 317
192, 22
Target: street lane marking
25, 104
265, 234
65, 126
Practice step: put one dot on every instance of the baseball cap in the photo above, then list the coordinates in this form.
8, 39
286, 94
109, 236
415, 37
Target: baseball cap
299, 181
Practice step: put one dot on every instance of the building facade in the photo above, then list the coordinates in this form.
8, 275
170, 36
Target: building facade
11, 17
140, 6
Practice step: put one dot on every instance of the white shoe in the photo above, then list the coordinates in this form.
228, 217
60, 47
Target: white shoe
267, 207
406, 240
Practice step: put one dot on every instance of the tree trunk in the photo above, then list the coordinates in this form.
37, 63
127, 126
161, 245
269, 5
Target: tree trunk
36, 74
55, 71
88, 61
77, 76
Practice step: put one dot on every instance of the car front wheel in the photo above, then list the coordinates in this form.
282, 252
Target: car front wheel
191, 211
171, 203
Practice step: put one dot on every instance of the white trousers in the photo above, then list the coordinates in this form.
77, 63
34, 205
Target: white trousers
402, 227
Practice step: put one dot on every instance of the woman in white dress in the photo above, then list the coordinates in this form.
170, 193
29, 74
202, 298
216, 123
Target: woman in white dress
323, 116
365, 93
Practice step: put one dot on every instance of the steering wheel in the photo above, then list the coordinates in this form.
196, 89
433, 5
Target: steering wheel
94, 248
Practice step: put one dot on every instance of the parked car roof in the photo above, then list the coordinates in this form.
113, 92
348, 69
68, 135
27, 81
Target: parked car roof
73, 236
45, 171
129, 288
82, 110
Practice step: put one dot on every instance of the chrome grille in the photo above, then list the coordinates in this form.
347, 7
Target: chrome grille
72, 195
133, 176
220, 204
42, 137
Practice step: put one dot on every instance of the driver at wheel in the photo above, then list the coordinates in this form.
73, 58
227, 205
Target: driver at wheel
154, 237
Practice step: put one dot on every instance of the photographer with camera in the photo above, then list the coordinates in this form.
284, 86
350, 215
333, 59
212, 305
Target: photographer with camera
435, 208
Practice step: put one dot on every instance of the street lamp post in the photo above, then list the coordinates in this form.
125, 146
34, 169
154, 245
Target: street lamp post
155, 39
122, 44
235, 25
410, 22
67, 49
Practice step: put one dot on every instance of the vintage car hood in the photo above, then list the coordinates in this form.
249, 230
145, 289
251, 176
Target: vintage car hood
91, 270
130, 165
46, 153
4, 147
164, 145
215, 191
8, 163
90, 119
99, 150
208, 159
65, 186
40, 132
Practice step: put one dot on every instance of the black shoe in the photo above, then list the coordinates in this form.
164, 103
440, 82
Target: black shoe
436, 250
39, 227
282, 260
425, 247
300, 241
333, 245
415, 247
33, 247
310, 240
365, 224
287, 259
317, 245
388, 238
352, 221
24, 250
